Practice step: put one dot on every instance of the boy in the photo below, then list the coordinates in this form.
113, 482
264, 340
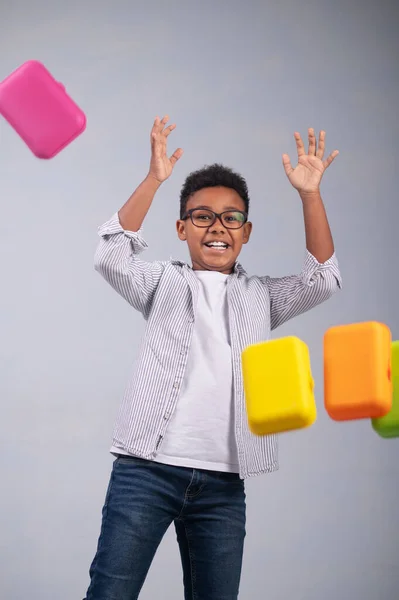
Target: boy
181, 441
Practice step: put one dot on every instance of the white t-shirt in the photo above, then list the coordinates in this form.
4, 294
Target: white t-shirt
200, 432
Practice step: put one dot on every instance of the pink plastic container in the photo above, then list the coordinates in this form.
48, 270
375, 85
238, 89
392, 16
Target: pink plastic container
39, 109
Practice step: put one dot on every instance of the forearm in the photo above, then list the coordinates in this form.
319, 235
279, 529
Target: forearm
134, 211
319, 241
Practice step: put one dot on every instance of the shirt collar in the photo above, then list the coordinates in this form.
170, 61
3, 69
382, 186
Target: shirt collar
238, 268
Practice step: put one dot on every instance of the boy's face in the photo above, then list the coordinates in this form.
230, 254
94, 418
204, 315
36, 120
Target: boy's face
203, 256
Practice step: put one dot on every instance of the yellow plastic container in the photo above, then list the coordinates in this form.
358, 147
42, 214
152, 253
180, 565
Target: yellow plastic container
278, 386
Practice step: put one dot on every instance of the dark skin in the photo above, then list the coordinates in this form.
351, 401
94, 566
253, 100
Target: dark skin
204, 258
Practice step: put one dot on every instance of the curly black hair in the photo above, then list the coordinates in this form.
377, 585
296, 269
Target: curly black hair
213, 176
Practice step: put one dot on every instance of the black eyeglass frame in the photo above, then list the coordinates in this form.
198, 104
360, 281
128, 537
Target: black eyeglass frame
189, 213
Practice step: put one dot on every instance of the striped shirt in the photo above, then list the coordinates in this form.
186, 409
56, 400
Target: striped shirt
165, 293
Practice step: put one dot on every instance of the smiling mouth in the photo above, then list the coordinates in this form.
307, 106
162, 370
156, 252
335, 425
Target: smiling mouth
217, 246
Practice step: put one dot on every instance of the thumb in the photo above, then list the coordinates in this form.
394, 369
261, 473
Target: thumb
287, 165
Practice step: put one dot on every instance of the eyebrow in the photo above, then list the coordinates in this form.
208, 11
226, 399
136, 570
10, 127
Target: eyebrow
225, 208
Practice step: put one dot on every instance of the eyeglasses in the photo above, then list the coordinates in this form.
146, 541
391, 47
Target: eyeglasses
202, 217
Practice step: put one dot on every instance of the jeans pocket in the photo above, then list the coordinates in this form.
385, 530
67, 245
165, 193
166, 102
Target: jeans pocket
231, 479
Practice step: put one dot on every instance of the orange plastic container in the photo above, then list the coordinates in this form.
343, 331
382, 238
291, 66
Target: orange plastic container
357, 371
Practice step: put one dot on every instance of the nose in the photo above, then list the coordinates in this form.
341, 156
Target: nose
217, 226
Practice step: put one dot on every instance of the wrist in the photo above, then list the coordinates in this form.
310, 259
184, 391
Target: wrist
152, 182
312, 196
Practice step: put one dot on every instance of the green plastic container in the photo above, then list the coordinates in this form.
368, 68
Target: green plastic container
388, 426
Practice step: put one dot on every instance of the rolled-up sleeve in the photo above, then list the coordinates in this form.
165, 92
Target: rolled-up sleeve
116, 259
296, 294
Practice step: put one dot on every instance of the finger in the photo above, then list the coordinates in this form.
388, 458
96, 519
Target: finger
157, 146
287, 165
158, 127
169, 130
154, 139
330, 158
299, 144
158, 143
175, 156
164, 120
156, 124
155, 127
321, 147
312, 142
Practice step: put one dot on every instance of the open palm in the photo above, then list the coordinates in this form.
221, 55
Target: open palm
307, 175
161, 165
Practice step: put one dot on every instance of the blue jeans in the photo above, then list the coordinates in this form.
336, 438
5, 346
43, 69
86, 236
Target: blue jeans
143, 499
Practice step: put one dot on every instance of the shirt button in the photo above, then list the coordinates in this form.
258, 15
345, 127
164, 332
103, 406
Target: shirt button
176, 385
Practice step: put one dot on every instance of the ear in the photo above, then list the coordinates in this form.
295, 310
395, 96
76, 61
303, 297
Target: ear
247, 232
181, 230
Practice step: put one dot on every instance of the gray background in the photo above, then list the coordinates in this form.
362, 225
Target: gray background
238, 79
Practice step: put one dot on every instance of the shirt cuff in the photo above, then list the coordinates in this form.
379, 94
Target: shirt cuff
312, 269
113, 227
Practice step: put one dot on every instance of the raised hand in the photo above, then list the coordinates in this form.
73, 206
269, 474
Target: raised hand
307, 175
161, 166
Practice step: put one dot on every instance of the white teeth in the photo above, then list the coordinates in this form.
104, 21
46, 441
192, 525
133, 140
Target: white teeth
217, 244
